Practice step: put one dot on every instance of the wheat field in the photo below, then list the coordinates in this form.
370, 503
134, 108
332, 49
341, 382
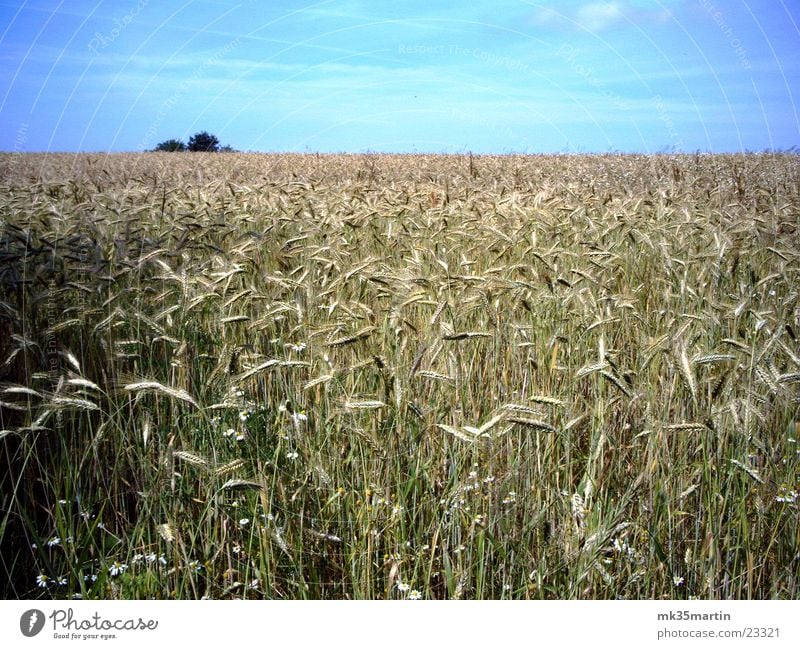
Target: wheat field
371, 376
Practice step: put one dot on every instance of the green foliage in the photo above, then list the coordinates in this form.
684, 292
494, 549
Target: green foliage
170, 145
203, 141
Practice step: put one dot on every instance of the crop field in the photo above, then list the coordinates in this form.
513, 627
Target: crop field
371, 376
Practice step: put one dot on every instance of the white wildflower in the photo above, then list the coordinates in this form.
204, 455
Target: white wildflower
117, 568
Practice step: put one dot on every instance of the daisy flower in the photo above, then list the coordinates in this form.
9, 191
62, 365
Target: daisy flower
117, 568
786, 495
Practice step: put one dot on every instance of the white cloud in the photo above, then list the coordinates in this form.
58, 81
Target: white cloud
546, 17
597, 16
570, 15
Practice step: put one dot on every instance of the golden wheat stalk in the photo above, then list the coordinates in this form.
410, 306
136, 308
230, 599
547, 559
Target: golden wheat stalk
19, 389
317, 381
361, 334
688, 374
751, 472
525, 410
687, 427
533, 423
455, 432
84, 383
364, 405
154, 386
68, 402
192, 458
436, 376
550, 401
466, 335
229, 467
710, 359
617, 382
590, 369
239, 484
273, 362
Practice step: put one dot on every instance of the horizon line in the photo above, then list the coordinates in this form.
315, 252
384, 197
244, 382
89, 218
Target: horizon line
794, 150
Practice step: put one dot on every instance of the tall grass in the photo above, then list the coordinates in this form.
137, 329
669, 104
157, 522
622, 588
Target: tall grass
247, 376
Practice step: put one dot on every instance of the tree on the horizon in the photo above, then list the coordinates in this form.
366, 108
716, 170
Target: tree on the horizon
170, 145
203, 141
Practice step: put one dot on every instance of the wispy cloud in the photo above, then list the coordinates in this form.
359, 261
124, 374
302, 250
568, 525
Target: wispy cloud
356, 75
602, 15
597, 16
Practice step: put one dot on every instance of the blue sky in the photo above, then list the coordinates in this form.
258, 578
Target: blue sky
421, 76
